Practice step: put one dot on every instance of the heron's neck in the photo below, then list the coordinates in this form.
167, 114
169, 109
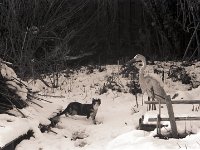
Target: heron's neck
141, 72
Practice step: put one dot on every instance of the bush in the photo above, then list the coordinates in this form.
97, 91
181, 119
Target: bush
37, 36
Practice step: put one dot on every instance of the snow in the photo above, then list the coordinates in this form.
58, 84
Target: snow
117, 117
13, 127
142, 140
13, 82
7, 72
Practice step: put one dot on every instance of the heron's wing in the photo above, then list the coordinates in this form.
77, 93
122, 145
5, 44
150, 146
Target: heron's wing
148, 86
154, 88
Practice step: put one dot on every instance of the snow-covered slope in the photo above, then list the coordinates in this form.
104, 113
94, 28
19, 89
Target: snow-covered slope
117, 116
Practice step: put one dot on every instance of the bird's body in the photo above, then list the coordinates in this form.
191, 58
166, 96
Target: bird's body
149, 84
153, 88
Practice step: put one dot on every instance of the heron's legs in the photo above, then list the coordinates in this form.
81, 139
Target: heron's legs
153, 105
149, 106
153, 99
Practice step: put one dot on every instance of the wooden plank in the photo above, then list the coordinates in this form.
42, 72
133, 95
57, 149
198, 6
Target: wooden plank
175, 102
171, 117
146, 127
176, 118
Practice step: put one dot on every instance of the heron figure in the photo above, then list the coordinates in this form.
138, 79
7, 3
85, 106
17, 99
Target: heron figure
149, 84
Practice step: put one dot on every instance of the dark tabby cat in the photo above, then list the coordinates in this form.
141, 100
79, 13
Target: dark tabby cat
89, 110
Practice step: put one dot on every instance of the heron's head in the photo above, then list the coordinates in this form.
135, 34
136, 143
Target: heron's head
139, 58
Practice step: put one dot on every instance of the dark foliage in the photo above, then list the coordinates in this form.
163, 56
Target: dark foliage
38, 36
176, 21
134, 87
129, 70
179, 74
8, 98
111, 83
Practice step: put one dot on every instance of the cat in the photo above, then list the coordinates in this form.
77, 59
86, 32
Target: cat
76, 108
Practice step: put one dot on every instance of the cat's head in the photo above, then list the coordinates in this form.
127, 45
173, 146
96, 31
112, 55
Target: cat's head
96, 103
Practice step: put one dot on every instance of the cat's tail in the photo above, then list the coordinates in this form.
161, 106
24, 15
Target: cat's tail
62, 113
56, 118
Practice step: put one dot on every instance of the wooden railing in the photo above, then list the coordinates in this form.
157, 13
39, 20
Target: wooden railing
171, 118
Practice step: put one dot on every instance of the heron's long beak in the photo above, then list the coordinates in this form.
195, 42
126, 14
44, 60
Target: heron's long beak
133, 61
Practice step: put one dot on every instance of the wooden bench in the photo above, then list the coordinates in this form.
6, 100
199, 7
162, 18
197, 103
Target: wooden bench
171, 118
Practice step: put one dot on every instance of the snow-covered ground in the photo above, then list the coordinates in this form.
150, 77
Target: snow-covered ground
117, 117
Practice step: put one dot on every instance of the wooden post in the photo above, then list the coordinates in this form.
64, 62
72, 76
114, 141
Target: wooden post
149, 106
158, 125
171, 117
142, 100
141, 122
159, 119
